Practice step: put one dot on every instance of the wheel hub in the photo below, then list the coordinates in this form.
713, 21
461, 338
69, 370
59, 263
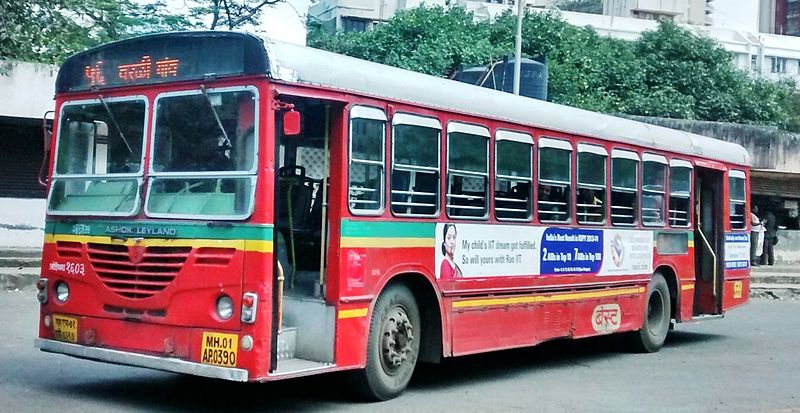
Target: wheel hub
397, 335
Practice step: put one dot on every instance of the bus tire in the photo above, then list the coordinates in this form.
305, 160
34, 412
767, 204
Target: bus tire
392, 346
655, 326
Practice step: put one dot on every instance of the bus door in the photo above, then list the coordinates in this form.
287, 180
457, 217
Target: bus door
303, 322
709, 237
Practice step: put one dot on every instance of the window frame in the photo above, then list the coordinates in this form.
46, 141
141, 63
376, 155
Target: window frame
662, 160
617, 153
411, 119
547, 142
600, 151
737, 174
681, 163
370, 112
523, 138
475, 130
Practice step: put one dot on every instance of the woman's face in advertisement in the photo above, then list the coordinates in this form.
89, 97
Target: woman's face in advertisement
450, 240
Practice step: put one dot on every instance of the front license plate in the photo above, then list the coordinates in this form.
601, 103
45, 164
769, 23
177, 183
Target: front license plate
65, 328
219, 349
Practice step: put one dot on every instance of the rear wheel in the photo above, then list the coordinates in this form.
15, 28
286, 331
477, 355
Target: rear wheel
650, 338
393, 345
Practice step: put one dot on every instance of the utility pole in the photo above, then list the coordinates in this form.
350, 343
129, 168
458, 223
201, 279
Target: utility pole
518, 44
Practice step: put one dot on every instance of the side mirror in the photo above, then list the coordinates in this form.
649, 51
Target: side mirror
291, 123
47, 134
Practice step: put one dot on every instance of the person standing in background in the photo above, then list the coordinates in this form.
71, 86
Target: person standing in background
770, 238
756, 236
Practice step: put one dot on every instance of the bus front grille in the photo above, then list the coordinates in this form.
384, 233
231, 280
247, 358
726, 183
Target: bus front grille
136, 271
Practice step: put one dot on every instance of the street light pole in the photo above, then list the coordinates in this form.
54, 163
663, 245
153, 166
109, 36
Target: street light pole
518, 45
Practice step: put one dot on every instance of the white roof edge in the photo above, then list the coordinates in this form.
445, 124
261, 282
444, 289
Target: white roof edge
507, 135
624, 154
651, 157
367, 112
595, 149
300, 64
735, 173
680, 163
415, 120
468, 128
545, 142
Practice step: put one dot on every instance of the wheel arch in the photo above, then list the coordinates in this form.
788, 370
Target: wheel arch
670, 276
429, 302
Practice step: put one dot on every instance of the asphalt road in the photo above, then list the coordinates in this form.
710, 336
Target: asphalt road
747, 362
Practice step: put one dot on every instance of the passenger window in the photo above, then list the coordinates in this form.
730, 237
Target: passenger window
366, 176
680, 187
467, 170
415, 165
624, 177
654, 171
737, 199
591, 203
513, 178
555, 189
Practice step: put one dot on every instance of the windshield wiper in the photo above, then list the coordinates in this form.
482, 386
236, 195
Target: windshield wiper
114, 121
216, 115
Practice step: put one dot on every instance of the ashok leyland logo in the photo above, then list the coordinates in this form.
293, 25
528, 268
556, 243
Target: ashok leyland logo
81, 229
617, 250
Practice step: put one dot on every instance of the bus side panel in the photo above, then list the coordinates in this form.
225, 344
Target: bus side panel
352, 331
736, 290
598, 317
483, 329
257, 279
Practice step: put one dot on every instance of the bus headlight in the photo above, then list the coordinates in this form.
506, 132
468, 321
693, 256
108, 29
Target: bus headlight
62, 292
224, 307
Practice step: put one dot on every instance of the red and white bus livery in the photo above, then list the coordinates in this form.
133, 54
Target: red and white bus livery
234, 207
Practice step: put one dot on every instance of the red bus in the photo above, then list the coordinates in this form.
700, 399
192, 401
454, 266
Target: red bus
233, 207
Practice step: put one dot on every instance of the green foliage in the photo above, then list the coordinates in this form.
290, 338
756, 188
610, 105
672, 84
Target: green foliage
668, 72
48, 31
581, 6
229, 14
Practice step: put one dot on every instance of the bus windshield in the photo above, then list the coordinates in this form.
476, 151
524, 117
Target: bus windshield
99, 157
203, 161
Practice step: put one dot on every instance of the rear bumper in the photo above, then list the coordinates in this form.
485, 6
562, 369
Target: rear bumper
141, 360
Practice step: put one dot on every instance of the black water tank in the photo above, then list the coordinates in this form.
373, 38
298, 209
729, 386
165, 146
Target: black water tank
500, 76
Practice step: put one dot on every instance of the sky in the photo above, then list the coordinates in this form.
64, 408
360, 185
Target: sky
286, 21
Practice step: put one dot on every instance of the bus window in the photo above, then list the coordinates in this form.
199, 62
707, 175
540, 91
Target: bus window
680, 187
366, 176
624, 177
513, 175
99, 158
203, 158
654, 179
555, 190
737, 198
591, 204
467, 170
415, 165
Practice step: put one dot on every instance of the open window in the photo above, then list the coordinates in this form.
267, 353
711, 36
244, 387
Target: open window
680, 193
624, 192
736, 180
513, 175
591, 203
366, 173
654, 179
555, 177
467, 170
415, 165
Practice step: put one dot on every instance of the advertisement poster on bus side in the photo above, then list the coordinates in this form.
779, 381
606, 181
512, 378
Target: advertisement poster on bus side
737, 250
480, 251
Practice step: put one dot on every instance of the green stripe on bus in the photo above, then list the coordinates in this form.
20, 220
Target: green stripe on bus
162, 229
382, 229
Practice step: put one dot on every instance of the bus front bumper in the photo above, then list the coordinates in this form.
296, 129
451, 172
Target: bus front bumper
141, 360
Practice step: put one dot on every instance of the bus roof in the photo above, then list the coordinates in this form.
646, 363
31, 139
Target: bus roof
300, 64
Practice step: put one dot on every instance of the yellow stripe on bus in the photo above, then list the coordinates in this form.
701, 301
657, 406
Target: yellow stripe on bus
687, 287
484, 302
354, 313
364, 242
246, 245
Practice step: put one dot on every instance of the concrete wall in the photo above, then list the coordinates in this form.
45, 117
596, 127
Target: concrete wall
769, 148
21, 223
26, 89
787, 251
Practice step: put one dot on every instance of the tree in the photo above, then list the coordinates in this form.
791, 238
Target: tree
581, 6
48, 31
230, 14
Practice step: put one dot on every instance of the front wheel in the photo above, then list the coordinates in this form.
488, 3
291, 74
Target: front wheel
650, 338
393, 345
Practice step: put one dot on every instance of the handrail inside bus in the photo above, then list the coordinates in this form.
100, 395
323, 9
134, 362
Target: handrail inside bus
714, 256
